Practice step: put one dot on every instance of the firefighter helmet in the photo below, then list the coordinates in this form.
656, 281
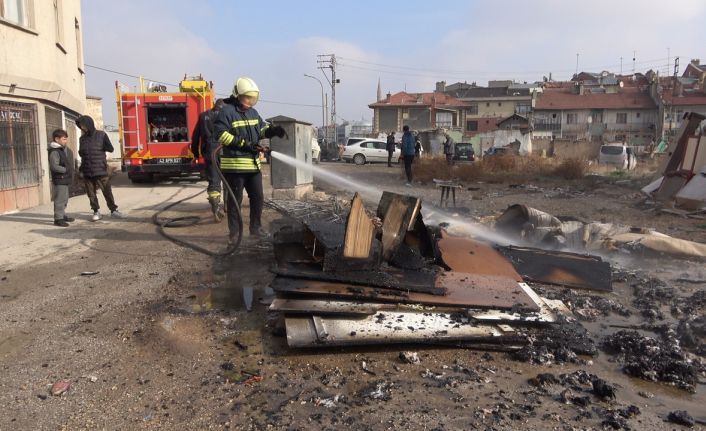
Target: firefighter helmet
245, 86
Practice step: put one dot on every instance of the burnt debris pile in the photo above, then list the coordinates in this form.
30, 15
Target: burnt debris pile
388, 278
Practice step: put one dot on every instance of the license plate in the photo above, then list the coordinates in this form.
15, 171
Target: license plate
169, 160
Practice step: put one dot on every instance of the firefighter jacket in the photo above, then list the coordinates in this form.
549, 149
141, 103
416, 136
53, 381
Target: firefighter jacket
239, 131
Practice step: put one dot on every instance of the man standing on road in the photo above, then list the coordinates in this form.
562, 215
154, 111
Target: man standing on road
449, 149
93, 145
203, 142
408, 153
239, 129
390, 148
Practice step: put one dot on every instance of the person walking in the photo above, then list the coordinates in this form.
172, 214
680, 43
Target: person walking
61, 166
204, 143
449, 149
93, 145
390, 147
408, 153
417, 145
239, 129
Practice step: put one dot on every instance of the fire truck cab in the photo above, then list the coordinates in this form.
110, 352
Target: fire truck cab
156, 127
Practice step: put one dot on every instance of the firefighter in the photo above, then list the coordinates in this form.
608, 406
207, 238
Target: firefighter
203, 142
239, 129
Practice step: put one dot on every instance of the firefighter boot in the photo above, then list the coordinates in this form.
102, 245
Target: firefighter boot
214, 198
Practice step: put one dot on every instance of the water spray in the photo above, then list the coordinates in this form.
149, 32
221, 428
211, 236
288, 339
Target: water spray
372, 194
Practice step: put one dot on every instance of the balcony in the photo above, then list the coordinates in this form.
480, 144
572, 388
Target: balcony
546, 127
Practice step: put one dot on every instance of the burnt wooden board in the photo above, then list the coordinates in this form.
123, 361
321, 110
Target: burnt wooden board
462, 291
399, 218
561, 268
359, 231
390, 278
470, 256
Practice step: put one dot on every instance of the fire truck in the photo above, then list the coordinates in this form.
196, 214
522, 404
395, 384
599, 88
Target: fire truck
155, 128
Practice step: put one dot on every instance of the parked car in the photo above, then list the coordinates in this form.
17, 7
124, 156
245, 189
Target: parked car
315, 150
352, 141
369, 151
496, 151
618, 155
464, 152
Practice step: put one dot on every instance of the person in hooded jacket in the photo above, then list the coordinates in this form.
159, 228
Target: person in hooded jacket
93, 145
204, 143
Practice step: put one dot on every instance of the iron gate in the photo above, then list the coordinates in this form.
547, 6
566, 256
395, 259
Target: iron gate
19, 147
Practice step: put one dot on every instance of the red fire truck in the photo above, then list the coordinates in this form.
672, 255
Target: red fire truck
156, 126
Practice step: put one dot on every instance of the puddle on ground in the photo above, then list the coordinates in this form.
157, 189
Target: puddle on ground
236, 289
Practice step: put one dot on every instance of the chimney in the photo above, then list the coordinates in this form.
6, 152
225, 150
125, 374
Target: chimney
441, 86
388, 97
420, 97
695, 61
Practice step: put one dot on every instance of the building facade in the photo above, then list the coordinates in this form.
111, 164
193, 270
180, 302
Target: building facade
419, 111
676, 96
625, 115
485, 107
39, 93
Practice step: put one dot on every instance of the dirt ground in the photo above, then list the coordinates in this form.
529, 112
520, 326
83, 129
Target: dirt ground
165, 338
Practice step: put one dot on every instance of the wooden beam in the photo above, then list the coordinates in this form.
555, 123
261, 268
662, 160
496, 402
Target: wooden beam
359, 231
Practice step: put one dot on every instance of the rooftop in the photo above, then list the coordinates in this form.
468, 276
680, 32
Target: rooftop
626, 98
418, 99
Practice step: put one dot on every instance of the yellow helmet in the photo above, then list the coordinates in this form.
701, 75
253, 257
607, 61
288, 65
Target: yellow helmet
245, 86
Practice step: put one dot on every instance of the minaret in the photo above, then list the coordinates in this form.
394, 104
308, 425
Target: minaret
379, 91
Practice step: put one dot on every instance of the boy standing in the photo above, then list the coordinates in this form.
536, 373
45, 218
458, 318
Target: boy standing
61, 165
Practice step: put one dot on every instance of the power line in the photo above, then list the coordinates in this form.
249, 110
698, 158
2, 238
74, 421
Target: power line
177, 86
476, 72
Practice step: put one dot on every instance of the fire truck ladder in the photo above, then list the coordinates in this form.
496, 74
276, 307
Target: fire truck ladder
122, 117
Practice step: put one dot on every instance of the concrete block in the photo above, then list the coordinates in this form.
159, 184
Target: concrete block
293, 193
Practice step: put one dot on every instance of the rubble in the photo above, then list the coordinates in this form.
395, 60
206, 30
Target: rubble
409, 357
651, 359
59, 388
681, 417
532, 226
398, 281
378, 391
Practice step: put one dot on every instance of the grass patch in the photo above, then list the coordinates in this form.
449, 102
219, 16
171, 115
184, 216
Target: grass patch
505, 167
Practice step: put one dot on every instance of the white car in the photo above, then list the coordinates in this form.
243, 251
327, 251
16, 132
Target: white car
619, 155
369, 151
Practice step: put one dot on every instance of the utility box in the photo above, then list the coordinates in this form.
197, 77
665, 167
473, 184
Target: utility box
292, 179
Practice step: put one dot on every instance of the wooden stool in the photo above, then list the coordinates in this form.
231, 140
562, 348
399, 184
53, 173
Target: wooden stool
447, 188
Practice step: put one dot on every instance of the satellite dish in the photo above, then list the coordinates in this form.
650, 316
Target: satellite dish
622, 84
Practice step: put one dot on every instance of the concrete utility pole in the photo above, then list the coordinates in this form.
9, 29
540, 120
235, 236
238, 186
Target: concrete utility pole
328, 61
323, 104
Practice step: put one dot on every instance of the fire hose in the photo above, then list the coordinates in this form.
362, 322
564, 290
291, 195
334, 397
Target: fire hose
187, 221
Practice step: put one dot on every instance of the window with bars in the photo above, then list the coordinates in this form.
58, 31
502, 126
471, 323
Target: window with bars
19, 147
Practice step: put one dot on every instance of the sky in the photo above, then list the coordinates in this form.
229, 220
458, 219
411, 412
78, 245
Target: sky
406, 46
